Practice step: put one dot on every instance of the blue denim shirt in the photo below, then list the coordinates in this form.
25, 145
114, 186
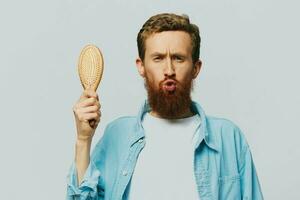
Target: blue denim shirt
223, 164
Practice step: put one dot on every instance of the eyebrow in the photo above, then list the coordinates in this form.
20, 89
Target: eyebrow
164, 54
157, 54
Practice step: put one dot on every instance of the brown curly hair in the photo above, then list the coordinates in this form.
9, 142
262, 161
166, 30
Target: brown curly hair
169, 22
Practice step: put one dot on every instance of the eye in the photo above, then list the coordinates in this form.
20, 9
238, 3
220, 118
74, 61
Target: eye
157, 58
178, 58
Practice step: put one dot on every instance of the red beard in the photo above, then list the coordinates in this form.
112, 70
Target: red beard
169, 104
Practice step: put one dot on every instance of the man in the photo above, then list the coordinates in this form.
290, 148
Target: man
171, 149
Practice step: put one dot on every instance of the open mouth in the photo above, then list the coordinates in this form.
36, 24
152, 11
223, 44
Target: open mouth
170, 85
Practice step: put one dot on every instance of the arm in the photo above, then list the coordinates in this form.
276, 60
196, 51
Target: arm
82, 157
250, 186
84, 175
87, 116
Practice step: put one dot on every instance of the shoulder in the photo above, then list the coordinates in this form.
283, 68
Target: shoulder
120, 129
231, 143
220, 123
226, 132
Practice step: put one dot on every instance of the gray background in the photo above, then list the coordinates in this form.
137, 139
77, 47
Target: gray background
250, 54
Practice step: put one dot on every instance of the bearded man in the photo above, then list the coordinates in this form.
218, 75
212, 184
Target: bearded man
171, 149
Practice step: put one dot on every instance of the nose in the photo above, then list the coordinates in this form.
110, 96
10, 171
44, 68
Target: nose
169, 69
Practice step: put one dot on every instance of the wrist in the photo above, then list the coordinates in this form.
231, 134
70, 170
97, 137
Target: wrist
83, 142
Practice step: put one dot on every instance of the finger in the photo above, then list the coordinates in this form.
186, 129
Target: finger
85, 107
88, 102
89, 93
90, 116
89, 109
98, 119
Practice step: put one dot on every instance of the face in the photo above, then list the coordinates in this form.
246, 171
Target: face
168, 70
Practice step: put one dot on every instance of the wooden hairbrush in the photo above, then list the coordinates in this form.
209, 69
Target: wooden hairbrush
90, 69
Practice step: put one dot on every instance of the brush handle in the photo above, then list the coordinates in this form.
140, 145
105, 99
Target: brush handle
92, 123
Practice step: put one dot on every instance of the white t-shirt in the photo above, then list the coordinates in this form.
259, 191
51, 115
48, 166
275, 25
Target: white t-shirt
164, 169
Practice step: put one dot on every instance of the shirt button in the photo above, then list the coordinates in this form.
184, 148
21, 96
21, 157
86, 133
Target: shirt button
141, 140
124, 173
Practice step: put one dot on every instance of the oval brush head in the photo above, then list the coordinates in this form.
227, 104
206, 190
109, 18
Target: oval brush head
90, 67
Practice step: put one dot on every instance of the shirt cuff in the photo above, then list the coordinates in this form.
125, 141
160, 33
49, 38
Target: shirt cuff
89, 182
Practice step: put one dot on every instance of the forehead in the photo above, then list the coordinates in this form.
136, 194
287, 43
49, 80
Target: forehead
169, 41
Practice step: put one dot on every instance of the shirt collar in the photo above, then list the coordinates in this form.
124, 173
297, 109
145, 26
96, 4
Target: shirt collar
202, 129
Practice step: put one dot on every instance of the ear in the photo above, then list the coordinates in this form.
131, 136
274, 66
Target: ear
197, 68
140, 66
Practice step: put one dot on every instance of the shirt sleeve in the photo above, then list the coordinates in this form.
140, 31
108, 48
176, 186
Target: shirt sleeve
250, 186
88, 187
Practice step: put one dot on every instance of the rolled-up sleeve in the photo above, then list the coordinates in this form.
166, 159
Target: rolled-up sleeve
88, 187
250, 186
